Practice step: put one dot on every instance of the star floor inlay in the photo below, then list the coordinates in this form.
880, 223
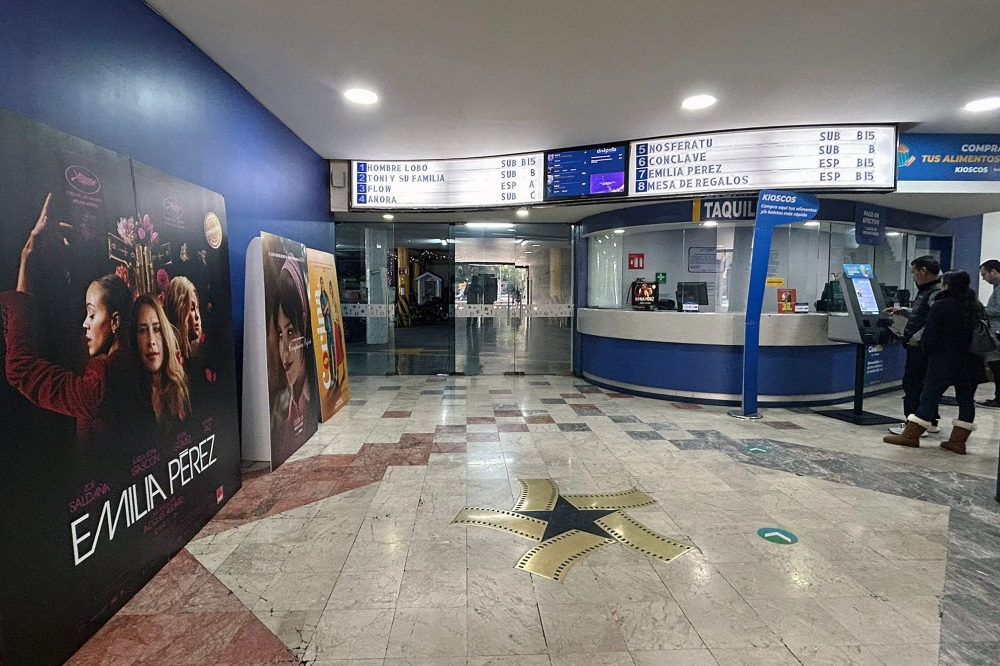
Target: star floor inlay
570, 527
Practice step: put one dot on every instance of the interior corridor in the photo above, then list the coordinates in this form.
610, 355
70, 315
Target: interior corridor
348, 553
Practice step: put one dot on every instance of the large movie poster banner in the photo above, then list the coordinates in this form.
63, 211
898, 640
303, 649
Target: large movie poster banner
328, 332
117, 393
293, 394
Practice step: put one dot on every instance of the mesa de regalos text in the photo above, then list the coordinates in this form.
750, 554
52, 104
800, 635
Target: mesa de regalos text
181, 470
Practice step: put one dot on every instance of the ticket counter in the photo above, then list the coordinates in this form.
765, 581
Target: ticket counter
673, 352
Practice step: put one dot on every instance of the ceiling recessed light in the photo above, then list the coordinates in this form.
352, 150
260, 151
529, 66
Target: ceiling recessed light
522, 212
985, 104
710, 223
490, 225
524, 242
527, 251
388, 216
812, 224
360, 96
619, 231
698, 102
535, 245
893, 233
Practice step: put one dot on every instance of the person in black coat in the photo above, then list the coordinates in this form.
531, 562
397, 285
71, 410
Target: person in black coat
945, 340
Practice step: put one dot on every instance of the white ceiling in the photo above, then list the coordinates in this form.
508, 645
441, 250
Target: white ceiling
461, 78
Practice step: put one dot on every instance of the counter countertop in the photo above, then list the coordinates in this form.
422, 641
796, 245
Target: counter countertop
704, 328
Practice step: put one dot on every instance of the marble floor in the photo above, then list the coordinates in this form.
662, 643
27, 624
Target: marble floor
348, 555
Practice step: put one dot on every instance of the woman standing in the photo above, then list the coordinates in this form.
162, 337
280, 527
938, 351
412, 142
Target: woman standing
945, 339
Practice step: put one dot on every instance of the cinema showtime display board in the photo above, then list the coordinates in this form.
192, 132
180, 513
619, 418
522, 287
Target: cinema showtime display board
510, 180
845, 158
855, 157
118, 395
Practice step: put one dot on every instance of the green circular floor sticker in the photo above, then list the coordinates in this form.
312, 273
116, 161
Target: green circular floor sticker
777, 535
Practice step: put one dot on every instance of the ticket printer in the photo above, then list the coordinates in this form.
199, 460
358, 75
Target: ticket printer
865, 321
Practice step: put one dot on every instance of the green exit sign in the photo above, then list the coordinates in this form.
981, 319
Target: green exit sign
661, 278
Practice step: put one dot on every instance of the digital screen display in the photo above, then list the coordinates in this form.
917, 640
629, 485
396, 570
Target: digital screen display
588, 172
858, 270
866, 296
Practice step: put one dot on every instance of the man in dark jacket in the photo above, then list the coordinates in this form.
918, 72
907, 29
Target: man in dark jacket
925, 271
990, 272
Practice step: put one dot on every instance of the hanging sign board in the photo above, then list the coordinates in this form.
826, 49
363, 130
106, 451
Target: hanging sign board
509, 180
855, 157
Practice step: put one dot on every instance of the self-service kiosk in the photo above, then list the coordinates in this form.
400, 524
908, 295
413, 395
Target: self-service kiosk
866, 324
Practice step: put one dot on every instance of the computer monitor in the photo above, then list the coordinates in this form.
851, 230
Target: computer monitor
692, 292
832, 299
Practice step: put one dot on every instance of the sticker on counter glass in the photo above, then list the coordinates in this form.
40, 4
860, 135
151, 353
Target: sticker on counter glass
844, 158
801, 308
508, 180
777, 535
775, 282
690, 307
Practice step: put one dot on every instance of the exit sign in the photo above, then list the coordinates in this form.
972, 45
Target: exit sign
636, 262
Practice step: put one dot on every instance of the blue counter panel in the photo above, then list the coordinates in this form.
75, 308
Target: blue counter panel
784, 371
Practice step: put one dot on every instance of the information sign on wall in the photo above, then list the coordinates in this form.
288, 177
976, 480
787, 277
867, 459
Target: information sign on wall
814, 158
945, 157
636, 262
869, 224
510, 180
703, 260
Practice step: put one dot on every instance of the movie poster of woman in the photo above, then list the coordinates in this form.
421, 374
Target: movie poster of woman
328, 332
102, 394
291, 369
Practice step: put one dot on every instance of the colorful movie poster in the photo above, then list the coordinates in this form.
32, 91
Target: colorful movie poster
786, 301
117, 392
293, 393
328, 332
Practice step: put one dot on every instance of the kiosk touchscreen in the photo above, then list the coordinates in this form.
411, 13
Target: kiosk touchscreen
865, 324
865, 321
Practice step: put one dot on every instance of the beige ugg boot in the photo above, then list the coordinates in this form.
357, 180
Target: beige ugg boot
960, 432
911, 434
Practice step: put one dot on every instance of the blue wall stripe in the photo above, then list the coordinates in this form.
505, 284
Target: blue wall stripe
719, 368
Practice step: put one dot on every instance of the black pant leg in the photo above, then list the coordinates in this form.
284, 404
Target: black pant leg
913, 379
995, 369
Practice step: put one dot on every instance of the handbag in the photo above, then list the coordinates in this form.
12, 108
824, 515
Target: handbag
984, 340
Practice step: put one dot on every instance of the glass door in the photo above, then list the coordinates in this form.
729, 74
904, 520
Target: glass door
396, 288
484, 266
542, 282
513, 299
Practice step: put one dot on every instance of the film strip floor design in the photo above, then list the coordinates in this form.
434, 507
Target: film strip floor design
570, 527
